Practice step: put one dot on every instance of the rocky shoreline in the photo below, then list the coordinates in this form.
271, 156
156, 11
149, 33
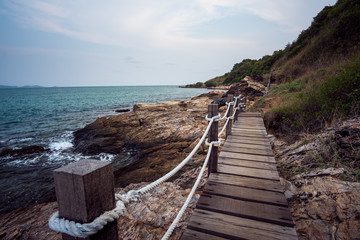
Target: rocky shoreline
318, 182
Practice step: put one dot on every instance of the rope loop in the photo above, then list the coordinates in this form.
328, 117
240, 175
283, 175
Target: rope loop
215, 118
217, 143
87, 229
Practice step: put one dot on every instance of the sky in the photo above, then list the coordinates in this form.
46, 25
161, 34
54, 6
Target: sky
141, 42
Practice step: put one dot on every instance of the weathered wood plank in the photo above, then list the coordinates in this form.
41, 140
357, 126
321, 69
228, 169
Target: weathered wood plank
246, 194
249, 114
245, 140
248, 132
244, 209
231, 227
195, 235
248, 172
250, 128
240, 134
247, 145
242, 181
246, 163
265, 152
245, 156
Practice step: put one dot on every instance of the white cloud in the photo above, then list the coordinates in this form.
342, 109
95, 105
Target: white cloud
144, 23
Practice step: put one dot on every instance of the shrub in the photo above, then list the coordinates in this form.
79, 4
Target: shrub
310, 110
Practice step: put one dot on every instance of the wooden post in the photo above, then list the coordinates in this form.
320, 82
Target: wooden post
213, 110
236, 107
84, 190
230, 98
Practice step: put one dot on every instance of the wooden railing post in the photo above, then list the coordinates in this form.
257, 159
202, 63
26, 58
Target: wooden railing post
230, 98
213, 110
84, 190
236, 107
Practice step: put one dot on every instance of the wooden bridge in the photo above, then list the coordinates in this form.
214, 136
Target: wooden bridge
243, 199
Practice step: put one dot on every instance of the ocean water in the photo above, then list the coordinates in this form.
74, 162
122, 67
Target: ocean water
48, 117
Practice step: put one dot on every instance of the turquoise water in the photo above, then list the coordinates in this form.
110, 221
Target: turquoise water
47, 117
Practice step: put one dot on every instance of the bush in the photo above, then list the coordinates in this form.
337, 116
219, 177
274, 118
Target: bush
310, 110
210, 83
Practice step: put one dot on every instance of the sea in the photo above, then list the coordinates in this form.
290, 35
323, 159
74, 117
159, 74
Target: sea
48, 117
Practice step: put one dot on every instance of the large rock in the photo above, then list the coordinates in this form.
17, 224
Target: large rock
325, 208
161, 134
248, 88
324, 203
22, 151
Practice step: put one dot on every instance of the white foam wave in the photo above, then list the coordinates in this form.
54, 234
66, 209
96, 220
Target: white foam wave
62, 145
21, 139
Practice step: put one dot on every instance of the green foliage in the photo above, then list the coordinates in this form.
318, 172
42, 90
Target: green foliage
332, 31
357, 175
310, 110
289, 87
195, 85
210, 83
259, 103
249, 67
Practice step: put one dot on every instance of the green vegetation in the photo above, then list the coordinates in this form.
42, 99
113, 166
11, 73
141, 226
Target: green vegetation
210, 83
310, 110
249, 67
195, 85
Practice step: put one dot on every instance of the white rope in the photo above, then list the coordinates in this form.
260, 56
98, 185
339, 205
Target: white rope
224, 127
178, 167
188, 199
87, 229
226, 113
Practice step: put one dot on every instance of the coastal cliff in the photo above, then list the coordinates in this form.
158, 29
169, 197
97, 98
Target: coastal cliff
157, 136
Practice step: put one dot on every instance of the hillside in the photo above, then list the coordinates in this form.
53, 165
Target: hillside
315, 79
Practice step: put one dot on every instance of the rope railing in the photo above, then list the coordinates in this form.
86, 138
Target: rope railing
87, 229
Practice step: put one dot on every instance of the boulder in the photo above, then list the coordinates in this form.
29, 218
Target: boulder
123, 110
213, 94
161, 134
248, 88
22, 151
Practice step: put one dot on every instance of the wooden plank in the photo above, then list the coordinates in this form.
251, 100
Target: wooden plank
245, 156
244, 209
240, 134
247, 114
238, 228
246, 194
195, 235
261, 133
250, 128
247, 145
250, 122
246, 140
234, 149
248, 172
242, 181
246, 163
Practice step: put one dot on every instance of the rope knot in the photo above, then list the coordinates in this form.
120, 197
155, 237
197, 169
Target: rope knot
214, 117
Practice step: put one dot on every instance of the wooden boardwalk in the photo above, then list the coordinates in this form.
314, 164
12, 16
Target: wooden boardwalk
244, 199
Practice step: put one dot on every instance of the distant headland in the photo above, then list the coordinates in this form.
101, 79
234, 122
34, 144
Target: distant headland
26, 86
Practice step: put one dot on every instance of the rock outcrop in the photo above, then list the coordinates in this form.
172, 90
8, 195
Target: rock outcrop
22, 151
321, 173
160, 134
248, 88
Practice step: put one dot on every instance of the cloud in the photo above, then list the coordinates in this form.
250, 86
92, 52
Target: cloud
142, 23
